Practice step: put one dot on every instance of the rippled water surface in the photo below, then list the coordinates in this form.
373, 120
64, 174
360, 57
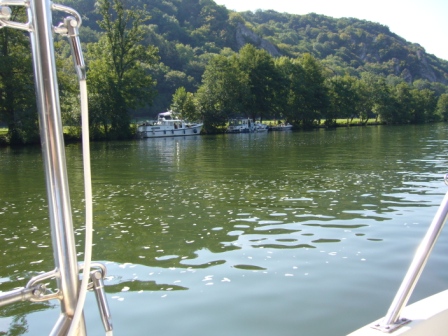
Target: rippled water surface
299, 233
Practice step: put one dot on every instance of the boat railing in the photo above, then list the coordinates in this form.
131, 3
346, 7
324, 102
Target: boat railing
66, 272
393, 319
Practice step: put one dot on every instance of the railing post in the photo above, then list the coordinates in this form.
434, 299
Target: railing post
53, 152
392, 319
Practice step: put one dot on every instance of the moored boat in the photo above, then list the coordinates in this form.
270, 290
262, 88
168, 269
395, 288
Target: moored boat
241, 125
260, 127
281, 127
168, 125
246, 125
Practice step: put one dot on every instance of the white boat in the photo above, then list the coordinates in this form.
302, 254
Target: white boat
281, 127
241, 125
428, 316
260, 127
168, 125
246, 125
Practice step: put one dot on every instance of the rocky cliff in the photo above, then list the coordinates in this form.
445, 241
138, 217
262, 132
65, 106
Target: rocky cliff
244, 35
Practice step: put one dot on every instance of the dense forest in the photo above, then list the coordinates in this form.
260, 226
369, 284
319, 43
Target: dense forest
209, 63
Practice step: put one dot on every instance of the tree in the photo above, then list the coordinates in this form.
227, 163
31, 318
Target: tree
264, 81
442, 106
224, 87
17, 97
423, 107
344, 99
291, 90
118, 69
364, 100
315, 93
381, 100
183, 103
403, 97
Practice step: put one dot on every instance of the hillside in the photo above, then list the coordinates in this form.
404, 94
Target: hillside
188, 32
352, 44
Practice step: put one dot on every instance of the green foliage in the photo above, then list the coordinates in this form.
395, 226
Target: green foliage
222, 93
302, 91
328, 68
290, 97
263, 82
17, 98
424, 105
184, 104
117, 74
344, 94
186, 30
315, 93
442, 107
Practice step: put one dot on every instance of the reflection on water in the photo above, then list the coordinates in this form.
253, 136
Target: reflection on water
252, 234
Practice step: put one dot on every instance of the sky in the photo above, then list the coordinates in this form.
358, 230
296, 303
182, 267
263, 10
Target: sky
418, 21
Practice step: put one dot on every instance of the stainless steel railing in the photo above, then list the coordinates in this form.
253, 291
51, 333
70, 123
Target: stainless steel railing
393, 319
66, 270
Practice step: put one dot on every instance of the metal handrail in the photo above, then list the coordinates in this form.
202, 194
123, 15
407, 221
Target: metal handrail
392, 319
70, 295
40, 29
53, 153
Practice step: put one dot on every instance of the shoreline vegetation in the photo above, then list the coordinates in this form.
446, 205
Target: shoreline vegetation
357, 71
70, 137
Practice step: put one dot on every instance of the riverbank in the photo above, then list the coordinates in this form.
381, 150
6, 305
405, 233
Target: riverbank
69, 137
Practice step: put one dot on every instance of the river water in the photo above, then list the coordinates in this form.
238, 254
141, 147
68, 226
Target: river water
296, 233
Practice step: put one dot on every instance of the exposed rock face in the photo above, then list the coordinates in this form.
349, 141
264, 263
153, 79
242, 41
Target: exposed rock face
419, 69
426, 70
391, 53
244, 35
406, 75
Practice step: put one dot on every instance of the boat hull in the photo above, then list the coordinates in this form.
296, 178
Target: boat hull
427, 317
281, 128
166, 131
241, 126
